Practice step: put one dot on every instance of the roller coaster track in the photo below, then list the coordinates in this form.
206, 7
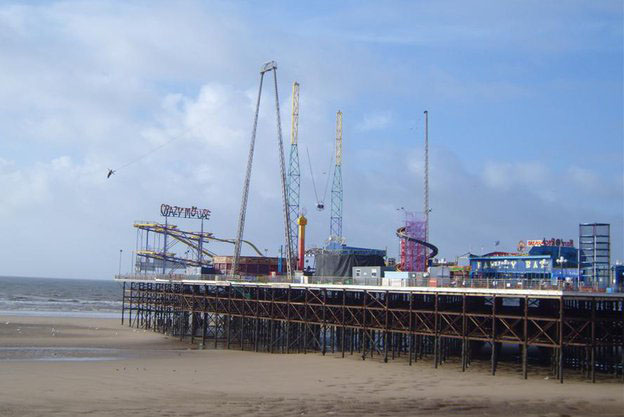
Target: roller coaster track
169, 257
191, 239
402, 235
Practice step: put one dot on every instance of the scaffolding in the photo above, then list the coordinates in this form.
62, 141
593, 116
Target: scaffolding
413, 255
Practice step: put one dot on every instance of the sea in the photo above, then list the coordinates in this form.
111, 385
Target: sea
55, 297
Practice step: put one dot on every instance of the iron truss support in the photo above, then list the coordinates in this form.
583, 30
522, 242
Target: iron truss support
583, 334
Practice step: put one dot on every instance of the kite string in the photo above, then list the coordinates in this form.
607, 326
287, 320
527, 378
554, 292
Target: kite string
148, 153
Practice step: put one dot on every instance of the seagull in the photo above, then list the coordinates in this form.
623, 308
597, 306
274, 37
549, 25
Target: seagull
110, 172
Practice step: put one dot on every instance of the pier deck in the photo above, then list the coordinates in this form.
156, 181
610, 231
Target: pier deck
572, 330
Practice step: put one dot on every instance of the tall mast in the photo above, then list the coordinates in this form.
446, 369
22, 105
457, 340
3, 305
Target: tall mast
426, 199
294, 178
335, 225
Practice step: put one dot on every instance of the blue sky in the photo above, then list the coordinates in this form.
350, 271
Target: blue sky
525, 101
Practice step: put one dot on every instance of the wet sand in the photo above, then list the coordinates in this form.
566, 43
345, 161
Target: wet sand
74, 366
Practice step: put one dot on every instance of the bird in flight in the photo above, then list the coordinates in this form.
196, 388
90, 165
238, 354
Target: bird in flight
110, 172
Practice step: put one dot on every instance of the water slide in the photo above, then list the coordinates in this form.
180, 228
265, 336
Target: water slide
402, 235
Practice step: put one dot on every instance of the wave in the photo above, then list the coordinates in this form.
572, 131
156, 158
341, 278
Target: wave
63, 305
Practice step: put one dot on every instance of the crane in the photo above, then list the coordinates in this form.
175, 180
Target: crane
268, 67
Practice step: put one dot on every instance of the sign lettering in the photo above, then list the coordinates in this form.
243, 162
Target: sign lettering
551, 242
184, 212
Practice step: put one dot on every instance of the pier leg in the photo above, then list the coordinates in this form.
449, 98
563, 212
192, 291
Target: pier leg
464, 327
561, 365
363, 344
385, 342
493, 356
525, 346
123, 302
463, 355
204, 326
228, 334
622, 347
130, 306
525, 358
342, 342
256, 333
436, 340
182, 325
561, 325
218, 319
193, 316
593, 343
493, 359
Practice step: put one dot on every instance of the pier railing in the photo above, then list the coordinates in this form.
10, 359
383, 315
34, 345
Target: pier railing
511, 284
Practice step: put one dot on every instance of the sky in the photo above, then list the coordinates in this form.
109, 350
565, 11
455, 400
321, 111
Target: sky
525, 102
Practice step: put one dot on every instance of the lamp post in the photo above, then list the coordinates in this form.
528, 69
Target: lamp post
120, 252
560, 260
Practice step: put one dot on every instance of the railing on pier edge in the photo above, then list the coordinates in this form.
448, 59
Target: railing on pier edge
572, 330
492, 283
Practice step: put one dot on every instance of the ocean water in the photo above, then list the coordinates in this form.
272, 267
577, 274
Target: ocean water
59, 297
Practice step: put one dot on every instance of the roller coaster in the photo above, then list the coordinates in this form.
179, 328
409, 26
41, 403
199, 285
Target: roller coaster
193, 240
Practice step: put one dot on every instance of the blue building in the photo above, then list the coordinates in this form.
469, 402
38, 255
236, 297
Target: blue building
542, 262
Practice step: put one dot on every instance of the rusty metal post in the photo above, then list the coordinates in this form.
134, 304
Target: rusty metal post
130, 305
193, 289
365, 295
622, 344
561, 333
342, 333
305, 321
411, 328
436, 342
385, 333
593, 342
228, 317
493, 355
288, 307
525, 346
123, 302
324, 318
463, 347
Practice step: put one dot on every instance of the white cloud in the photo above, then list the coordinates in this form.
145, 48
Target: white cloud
375, 121
89, 86
504, 175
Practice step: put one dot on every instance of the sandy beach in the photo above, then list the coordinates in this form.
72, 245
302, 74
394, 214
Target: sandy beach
78, 366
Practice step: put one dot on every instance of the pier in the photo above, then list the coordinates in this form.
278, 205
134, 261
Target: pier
570, 331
